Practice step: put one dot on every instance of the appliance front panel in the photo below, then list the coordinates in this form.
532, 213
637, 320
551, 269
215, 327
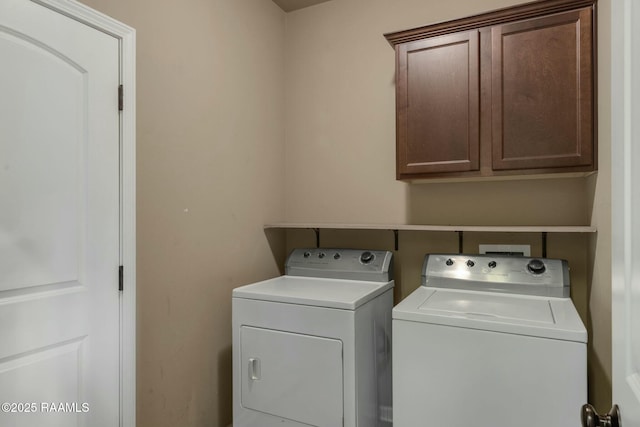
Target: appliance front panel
457, 377
294, 376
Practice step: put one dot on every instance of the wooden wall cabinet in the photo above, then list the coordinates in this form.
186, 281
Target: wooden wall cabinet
508, 92
438, 99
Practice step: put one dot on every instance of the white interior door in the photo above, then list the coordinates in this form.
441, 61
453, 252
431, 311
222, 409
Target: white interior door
59, 220
626, 208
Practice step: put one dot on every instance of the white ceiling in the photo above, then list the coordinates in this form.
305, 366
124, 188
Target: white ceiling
289, 5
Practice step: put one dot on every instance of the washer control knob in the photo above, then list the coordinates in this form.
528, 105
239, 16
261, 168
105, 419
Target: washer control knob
536, 266
492, 264
470, 263
449, 262
307, 254
321, 255
336, 255
366, 257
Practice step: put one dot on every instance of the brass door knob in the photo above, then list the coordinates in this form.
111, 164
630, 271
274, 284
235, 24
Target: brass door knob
590, 417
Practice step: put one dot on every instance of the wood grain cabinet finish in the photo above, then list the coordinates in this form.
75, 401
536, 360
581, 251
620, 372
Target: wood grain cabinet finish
503, 93
439, 104
542, 92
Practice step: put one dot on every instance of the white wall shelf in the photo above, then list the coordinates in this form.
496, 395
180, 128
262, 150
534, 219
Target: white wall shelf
460, 229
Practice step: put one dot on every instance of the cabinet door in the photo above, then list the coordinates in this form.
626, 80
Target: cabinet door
438, 105
293, 376
542, 92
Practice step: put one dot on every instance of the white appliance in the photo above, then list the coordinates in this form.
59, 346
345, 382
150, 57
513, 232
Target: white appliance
313, 347
489, 341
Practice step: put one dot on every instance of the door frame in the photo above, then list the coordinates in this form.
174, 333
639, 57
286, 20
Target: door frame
625, 105
127, 41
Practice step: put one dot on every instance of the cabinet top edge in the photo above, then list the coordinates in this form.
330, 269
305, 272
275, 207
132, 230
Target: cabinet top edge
495, 17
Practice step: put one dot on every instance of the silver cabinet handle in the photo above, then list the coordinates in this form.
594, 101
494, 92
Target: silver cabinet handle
254, 368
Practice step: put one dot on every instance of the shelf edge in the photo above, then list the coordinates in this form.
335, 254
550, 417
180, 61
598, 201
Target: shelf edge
416, 227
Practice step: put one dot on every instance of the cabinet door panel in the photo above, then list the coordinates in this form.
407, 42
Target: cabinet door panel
542, 94
438, 105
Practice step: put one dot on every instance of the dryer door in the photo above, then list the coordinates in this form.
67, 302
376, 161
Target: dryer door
293, 376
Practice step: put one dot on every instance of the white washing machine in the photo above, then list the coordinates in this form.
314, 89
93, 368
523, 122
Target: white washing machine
313, 347
489, 341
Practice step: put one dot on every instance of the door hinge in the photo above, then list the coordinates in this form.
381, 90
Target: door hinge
120, 98
121, 278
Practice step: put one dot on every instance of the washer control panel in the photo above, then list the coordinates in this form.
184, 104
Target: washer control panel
498, 273
350, 264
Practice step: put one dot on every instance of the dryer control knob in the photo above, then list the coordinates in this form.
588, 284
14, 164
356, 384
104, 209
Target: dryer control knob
536, 266
366, 257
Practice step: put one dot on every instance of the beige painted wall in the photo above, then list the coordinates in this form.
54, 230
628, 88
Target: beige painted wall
210, 172
340, 159
340, 127
246, 116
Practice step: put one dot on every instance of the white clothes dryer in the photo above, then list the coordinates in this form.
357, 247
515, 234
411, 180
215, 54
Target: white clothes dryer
313, 347
489, 341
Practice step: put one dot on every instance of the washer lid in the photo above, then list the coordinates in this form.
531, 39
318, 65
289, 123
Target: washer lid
543, 317
332, 293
